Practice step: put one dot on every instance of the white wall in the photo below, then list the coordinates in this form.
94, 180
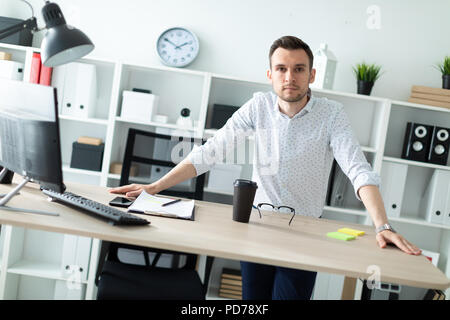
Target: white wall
235, 35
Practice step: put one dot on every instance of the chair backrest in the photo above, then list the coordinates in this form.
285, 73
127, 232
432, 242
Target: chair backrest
155, 149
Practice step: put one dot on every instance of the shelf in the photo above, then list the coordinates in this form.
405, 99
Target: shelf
103, 122
356, 212
210, 190
156, 124
116, 176
38, 269
368, 149
149, 68
416, 163
68, 169
420, 222
17, 47
419, 106
348, 94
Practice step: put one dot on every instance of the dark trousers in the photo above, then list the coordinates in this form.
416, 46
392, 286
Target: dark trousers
265, 282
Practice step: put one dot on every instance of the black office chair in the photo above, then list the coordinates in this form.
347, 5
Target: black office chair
117, 279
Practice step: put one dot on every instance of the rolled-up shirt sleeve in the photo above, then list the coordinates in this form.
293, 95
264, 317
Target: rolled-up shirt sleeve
348, 154
225, 140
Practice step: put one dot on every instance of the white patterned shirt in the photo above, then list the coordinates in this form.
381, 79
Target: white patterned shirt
293, 156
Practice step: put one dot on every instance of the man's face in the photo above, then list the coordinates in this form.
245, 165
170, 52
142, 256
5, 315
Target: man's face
290, 75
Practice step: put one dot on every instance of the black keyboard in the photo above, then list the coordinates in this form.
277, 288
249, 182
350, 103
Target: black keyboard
100, 210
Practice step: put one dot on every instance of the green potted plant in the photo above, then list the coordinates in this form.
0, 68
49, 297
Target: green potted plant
444, 67
366, 75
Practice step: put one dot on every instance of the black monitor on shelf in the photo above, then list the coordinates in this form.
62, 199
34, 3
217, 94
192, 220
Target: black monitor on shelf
29, 134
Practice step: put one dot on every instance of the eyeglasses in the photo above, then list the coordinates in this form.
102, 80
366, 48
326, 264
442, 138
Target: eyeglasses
271, 207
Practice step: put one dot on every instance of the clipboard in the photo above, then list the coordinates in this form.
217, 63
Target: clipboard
152, 205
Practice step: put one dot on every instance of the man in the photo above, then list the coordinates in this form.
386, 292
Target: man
296, 138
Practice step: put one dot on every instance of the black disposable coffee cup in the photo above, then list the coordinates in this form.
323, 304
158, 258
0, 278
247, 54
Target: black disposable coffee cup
244, 194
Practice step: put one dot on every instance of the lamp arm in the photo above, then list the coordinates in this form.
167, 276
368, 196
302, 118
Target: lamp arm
30, 24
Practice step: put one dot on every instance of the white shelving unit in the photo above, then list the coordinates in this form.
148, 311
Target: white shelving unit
31, 261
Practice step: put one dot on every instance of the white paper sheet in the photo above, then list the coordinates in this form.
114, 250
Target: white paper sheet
146, 203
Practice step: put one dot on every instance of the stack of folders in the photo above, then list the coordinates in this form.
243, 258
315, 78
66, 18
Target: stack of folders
436, 199
231, 284
430, 96
393, 181
434, 295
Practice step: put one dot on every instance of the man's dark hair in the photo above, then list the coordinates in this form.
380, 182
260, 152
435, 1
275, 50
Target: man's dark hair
291, 43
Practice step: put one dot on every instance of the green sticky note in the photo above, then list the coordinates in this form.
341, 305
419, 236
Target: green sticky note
340, 236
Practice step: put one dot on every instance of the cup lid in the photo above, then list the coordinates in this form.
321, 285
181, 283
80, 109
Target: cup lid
245, 183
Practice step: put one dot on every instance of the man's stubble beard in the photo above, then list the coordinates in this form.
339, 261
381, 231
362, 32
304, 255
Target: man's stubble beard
297, 98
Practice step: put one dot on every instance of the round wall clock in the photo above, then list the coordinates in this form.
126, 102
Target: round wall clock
177, 47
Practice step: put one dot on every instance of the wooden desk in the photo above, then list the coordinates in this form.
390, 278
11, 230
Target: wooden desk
269, 240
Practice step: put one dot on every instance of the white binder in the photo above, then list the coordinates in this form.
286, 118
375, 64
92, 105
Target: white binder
11, 70
435, 197
447, 208
393, 179
75, 258
58, 80
80, 90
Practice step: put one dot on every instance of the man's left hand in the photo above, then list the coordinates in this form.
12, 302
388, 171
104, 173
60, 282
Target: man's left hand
387, 236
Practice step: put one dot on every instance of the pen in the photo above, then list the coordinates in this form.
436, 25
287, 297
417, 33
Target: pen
171, 202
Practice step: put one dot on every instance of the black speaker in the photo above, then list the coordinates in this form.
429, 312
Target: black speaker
440, 143
416, 145
8, 178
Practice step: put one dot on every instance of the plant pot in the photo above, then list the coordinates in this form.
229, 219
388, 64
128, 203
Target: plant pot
446, 81
365, 87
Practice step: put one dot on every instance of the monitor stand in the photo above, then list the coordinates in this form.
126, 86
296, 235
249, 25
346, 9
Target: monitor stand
4, 200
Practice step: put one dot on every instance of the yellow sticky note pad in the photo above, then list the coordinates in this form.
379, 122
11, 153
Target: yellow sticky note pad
351, 232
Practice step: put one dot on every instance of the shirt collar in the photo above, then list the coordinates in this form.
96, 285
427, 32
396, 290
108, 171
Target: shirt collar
307, 108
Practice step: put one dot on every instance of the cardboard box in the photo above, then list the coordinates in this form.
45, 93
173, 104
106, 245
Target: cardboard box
434, 97
430, 90
5, 56
430, 102
116, 168
90, 140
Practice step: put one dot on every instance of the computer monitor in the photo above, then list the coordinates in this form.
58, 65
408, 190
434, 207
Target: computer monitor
29, 133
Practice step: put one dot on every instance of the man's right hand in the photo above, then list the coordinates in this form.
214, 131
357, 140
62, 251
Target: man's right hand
182, 171
134, 190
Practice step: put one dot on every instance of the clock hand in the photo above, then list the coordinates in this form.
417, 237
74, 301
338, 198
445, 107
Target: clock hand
178, 47
165, 39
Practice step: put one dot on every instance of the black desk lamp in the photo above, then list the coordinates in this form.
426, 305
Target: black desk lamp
62, 43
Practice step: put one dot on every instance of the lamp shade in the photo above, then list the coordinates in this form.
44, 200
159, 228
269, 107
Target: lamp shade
62, 43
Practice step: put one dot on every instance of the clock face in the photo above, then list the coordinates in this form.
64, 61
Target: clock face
177, 47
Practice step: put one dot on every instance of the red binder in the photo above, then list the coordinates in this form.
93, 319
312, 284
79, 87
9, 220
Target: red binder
35, 68
46, 76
